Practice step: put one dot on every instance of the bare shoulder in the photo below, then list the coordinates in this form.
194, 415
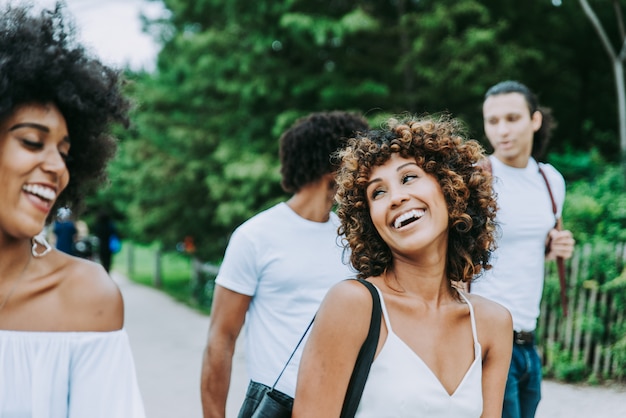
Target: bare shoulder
89, 290
342, 321
347, 305
484, 306
492, 319
349, 295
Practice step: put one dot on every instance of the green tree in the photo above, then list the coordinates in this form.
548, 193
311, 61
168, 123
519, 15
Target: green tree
233, 75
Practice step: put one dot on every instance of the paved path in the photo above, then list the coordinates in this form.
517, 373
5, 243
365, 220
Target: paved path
167, 339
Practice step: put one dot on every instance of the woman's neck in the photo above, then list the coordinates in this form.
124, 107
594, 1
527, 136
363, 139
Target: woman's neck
425, 280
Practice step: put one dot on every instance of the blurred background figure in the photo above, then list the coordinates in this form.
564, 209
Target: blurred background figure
65, 231
84, 243
108, 239
278, 266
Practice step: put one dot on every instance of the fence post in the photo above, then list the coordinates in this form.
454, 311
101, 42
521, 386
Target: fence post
566, 337
130, 259
196, 274
158, 275
589, 319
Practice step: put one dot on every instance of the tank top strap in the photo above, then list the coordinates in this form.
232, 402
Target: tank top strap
472, 318
384, 309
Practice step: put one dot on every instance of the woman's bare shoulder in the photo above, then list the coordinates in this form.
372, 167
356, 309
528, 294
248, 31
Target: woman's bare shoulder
490, 314
342, 321
91, 296
348, 302
350, 294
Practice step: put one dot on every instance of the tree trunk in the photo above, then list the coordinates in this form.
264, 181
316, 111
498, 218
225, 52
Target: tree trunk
617, 60
618, 70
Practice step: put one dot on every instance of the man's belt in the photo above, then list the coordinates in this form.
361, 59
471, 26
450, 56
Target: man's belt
524, 337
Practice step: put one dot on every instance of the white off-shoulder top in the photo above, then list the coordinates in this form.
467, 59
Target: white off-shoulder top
68, 375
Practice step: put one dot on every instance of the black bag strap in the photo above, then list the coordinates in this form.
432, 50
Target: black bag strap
294, 351
363, 362
365, 358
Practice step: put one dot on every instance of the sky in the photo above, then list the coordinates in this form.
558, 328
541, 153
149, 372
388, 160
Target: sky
112, 29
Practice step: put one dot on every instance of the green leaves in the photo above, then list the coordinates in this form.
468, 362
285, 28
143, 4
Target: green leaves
202, 155
595, 209
327, 30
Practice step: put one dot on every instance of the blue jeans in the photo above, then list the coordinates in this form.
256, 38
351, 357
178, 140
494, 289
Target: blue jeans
523, 386
255, 394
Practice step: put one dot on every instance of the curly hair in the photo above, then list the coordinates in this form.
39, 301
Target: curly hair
541, 137
306, 148
41, 63
439, 148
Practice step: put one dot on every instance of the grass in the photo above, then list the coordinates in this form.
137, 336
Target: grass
176, 271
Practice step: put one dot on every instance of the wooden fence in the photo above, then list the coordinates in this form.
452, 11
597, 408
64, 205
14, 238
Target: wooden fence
590, 343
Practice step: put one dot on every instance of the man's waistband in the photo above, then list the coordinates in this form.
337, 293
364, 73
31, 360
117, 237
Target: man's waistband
524, 337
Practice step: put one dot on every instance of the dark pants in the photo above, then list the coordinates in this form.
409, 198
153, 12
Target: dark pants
523, 385
105, 259
255, 394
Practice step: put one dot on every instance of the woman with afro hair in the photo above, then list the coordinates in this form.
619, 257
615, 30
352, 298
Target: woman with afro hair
418, 217
63, 348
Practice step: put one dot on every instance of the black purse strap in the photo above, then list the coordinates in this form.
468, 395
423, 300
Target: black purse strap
294, 351
365, 358
363, 362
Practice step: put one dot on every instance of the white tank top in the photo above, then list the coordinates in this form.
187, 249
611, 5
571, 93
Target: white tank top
401, 385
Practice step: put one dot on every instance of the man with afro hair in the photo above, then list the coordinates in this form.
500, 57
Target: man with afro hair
278, 266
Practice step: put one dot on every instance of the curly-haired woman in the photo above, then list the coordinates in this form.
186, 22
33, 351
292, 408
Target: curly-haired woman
63, 349
418, 216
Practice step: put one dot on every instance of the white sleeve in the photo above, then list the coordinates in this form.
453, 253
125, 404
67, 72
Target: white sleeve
103, 383
239, 271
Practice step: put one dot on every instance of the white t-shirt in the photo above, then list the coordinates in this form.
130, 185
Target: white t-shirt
524, 219
287, 264
68, 375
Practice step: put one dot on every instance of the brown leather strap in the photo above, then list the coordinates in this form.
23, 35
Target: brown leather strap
560, 263
545, 178
485, 164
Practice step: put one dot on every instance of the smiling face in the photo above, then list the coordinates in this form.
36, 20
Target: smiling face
34, 144
407, 206
510, 127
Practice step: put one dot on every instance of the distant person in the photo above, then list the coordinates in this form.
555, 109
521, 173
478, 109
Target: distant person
278, 266
105, 230
418, 216
518, 130
65, 232
64, 352
83, 247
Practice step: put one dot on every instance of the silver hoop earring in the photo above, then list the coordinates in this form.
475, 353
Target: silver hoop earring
39, 240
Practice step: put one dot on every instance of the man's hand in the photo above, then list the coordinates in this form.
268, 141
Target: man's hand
561, 244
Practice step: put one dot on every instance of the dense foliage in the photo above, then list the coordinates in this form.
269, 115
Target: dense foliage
232, 75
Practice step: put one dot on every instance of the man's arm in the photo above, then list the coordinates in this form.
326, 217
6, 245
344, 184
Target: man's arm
227, 317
